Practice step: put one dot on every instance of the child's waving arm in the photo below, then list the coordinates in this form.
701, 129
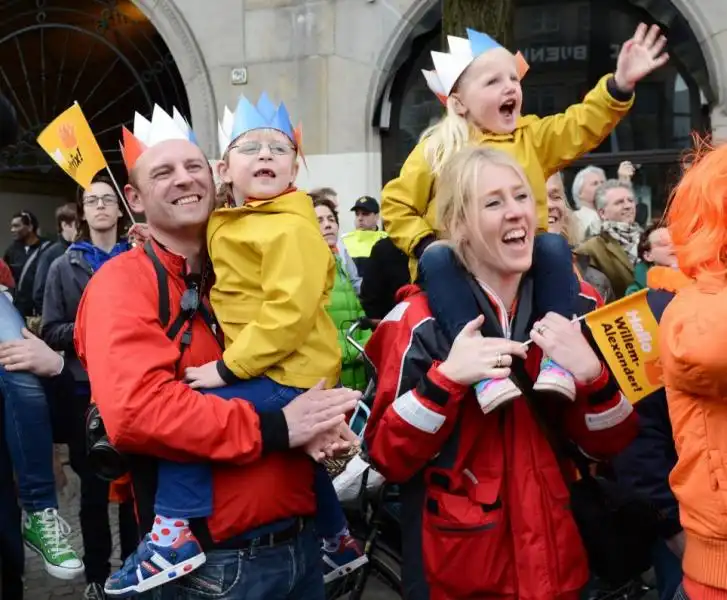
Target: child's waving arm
562, 138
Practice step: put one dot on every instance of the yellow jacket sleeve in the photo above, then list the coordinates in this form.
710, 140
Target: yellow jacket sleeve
560, 139
404, 202
295, 277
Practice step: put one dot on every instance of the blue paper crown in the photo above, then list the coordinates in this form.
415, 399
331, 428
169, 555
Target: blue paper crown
265, 115
480, 42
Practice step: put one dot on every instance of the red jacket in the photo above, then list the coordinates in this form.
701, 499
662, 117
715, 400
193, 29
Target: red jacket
148, 410
485, 503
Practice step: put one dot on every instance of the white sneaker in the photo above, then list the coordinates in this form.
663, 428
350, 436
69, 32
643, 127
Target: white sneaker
492, 393
554, 378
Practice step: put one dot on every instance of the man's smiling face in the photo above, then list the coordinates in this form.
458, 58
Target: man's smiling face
172, 185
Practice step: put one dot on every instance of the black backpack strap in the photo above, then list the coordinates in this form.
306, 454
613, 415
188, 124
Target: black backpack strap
162, 283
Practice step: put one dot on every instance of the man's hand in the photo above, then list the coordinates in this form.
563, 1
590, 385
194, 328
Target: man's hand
30, 354
317, 411
205, 376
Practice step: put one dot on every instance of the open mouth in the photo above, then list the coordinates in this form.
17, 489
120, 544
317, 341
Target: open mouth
507, 108
554, 217
516, 237
264, 173
183, 201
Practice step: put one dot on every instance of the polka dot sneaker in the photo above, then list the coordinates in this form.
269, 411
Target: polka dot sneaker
153, 565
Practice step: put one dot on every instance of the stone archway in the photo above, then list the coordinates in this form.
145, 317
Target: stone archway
174, 29
709, 27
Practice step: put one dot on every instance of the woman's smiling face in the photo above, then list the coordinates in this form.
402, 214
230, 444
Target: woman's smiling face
500, 229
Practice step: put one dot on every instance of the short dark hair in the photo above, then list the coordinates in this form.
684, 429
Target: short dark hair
84, 234
645, 241
66, 214
28, 219
323, 192
328, 204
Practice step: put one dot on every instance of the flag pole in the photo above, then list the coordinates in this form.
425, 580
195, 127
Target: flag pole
573, 320
121, 195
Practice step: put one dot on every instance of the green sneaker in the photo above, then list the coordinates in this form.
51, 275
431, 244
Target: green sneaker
46, 534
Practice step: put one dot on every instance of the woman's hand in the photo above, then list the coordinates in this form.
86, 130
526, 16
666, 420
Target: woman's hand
563, 341
474, 358
205, 376
31, 354
640, 56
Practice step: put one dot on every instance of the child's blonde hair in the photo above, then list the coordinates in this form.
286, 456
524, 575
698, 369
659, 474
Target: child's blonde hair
445, 138
457, 193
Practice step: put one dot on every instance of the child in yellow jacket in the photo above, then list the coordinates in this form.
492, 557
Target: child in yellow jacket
479, 82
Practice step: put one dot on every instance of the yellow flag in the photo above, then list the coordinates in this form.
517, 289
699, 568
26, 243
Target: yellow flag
628, 335
71, 144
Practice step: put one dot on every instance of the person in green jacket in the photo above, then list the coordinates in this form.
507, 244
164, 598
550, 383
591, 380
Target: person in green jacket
344, 306
655, 248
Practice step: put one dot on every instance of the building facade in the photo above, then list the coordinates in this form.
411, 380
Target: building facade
349, 71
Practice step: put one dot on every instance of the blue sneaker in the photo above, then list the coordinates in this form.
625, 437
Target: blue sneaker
343, 560
152, 565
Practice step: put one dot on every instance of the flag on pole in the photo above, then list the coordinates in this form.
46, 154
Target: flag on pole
628, 335
69, 141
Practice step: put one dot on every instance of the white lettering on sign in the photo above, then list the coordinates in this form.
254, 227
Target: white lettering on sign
554, 54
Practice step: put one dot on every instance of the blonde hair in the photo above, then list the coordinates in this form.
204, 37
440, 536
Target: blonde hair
457, 193
445, 138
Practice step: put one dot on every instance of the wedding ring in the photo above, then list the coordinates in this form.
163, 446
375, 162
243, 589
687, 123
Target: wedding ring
540, 329
498, 360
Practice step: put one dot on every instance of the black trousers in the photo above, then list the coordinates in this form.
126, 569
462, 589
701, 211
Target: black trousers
94, 515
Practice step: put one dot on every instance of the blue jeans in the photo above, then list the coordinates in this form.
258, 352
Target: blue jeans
27, 424
286, 572
668, 570
451, 299
12, 558
184, 490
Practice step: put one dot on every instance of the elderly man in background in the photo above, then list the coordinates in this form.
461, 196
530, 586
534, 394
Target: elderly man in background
614, 250
584, 188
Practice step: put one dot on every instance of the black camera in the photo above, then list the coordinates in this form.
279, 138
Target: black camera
103, 459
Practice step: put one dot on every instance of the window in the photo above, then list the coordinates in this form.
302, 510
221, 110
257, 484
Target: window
542, 20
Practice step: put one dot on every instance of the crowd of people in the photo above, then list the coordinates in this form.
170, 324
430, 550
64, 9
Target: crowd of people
212, 342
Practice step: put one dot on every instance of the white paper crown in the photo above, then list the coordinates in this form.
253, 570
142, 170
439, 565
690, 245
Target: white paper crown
449, 66
146, 134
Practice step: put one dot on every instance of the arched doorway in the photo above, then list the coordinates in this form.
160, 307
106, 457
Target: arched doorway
105, 54
570, 45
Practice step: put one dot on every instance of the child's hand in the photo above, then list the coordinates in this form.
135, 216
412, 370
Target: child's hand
639, 56
205, 376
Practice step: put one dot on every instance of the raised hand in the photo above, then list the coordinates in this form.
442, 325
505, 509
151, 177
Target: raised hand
640, 56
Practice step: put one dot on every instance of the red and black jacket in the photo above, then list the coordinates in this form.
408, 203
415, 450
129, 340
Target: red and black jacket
485, 504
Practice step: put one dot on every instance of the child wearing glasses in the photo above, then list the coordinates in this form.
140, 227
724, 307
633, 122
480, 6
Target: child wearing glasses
273, 277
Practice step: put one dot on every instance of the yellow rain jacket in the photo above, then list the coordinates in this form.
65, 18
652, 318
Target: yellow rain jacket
273, 277
541, 146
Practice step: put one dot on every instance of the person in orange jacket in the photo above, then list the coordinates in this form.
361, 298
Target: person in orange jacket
693, 330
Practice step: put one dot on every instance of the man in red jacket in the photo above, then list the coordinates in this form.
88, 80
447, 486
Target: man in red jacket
262, 489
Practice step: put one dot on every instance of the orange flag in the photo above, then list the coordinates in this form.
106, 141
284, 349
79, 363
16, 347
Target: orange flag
628, 335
